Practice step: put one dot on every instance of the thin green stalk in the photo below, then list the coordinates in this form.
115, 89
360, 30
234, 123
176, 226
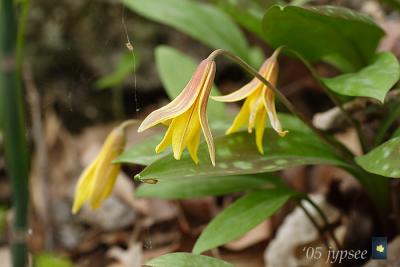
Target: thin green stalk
14, 131
325, 220
316, 225
23, 15
387, 122
341, 150
118, 102
336, 101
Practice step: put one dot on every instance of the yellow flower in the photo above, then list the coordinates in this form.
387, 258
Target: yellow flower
97, 181
186, 115
260, 101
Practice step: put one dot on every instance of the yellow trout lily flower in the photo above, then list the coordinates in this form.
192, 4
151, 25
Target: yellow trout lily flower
260, 101
186, 115
97, 181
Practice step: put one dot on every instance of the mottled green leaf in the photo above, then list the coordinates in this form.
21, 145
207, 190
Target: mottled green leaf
125, 67
201, 21
336, 35
241, 217
181, 259
237, 154
142, 153
374, 80
175, 78
383, 160
184, 188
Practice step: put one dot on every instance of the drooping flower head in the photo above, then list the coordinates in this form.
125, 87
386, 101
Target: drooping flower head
97, 181
260, 101
186, 115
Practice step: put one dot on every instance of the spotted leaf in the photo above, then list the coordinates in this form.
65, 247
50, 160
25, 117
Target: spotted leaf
383, 160
238, 154
374, 81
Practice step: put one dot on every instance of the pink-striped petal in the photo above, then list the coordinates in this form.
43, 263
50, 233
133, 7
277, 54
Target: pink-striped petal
182, 102
239, 94
247, 89
203, 112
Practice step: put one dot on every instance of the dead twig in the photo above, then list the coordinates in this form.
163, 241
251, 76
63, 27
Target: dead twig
40, 175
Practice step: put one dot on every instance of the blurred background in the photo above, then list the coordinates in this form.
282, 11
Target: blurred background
81, 80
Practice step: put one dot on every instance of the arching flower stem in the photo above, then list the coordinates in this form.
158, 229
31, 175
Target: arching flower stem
338, 147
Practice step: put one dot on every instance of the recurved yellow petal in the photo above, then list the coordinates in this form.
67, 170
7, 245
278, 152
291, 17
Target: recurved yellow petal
247, 89
269, 102
239, 94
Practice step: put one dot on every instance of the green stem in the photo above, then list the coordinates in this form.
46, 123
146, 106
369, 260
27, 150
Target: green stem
387, 122
316, 225
14, 131
118, 102
128, 123
324, 219
336, 101
331, 142
25, 5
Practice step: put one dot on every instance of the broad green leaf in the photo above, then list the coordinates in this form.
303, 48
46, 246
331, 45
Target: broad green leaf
201, 21
383, 160
175, 78
241, 217
237, 154
51, 260
247, 14
336, 35
125, 67
184, 188
374, 80
143, 153
181, 259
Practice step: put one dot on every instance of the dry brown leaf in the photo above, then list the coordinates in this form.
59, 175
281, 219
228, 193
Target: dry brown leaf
257, 234
132, 257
